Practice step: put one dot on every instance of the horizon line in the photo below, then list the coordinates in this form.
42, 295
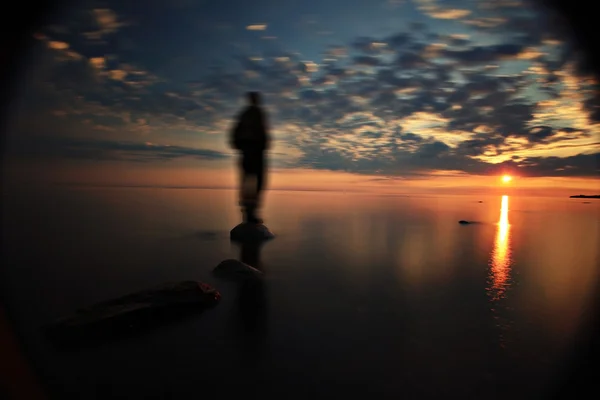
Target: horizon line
280, 189
206, 187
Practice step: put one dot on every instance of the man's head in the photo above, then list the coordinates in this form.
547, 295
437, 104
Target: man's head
254, 98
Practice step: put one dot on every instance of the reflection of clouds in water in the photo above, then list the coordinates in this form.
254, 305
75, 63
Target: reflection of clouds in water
501, 254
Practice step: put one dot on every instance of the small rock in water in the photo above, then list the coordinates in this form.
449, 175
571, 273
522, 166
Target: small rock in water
248, 232
236, 270
140, 310
463, 222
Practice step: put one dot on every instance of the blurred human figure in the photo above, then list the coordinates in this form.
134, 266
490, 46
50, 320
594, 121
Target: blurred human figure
251, 137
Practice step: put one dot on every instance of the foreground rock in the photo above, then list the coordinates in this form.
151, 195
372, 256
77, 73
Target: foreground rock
250, 233
236, 271
132, 312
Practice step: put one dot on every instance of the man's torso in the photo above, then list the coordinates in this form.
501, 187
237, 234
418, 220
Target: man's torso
251, 135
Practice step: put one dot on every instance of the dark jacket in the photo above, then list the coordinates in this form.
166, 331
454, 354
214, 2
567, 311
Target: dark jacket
250, 132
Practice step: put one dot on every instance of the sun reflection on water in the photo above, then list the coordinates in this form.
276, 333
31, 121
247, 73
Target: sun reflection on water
501, 254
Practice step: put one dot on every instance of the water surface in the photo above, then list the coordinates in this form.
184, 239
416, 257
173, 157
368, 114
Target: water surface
383, 296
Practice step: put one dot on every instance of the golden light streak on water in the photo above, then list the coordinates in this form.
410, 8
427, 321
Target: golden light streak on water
501, 254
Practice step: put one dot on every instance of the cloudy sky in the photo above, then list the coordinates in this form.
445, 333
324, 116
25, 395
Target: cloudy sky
374, 93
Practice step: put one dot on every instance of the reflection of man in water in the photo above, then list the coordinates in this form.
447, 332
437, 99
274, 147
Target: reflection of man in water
252, 306
251, 137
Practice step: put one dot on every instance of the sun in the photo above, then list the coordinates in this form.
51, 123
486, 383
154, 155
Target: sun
506, 178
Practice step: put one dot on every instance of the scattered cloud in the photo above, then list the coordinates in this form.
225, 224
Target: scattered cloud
433, 9
98, 62
53, 44
448, 14
106, 150
486, 22
117, 74
257, 27
106, 23
496, 89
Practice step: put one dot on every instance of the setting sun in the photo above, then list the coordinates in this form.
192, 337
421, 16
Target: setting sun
506, 178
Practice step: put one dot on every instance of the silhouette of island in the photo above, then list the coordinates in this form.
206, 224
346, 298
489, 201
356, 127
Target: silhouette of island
584, 196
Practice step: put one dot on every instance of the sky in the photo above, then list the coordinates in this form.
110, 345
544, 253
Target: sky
384, 95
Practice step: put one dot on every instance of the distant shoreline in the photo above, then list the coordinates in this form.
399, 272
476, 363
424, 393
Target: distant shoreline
584, 196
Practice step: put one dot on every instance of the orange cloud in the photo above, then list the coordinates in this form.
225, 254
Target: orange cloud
54, 44
432, 9
448, 14
257, 27
117, 74
107, 22
98, 62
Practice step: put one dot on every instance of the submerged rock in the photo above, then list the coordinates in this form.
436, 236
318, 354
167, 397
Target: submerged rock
138, 310
248, 232
236, 271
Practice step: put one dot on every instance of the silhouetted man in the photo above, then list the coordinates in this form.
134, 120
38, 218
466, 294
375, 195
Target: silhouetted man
251, 137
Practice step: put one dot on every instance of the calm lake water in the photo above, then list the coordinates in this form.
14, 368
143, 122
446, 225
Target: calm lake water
364, 295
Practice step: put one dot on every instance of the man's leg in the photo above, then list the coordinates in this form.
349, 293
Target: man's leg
245, 180
243, 177
253, 168
260, 174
